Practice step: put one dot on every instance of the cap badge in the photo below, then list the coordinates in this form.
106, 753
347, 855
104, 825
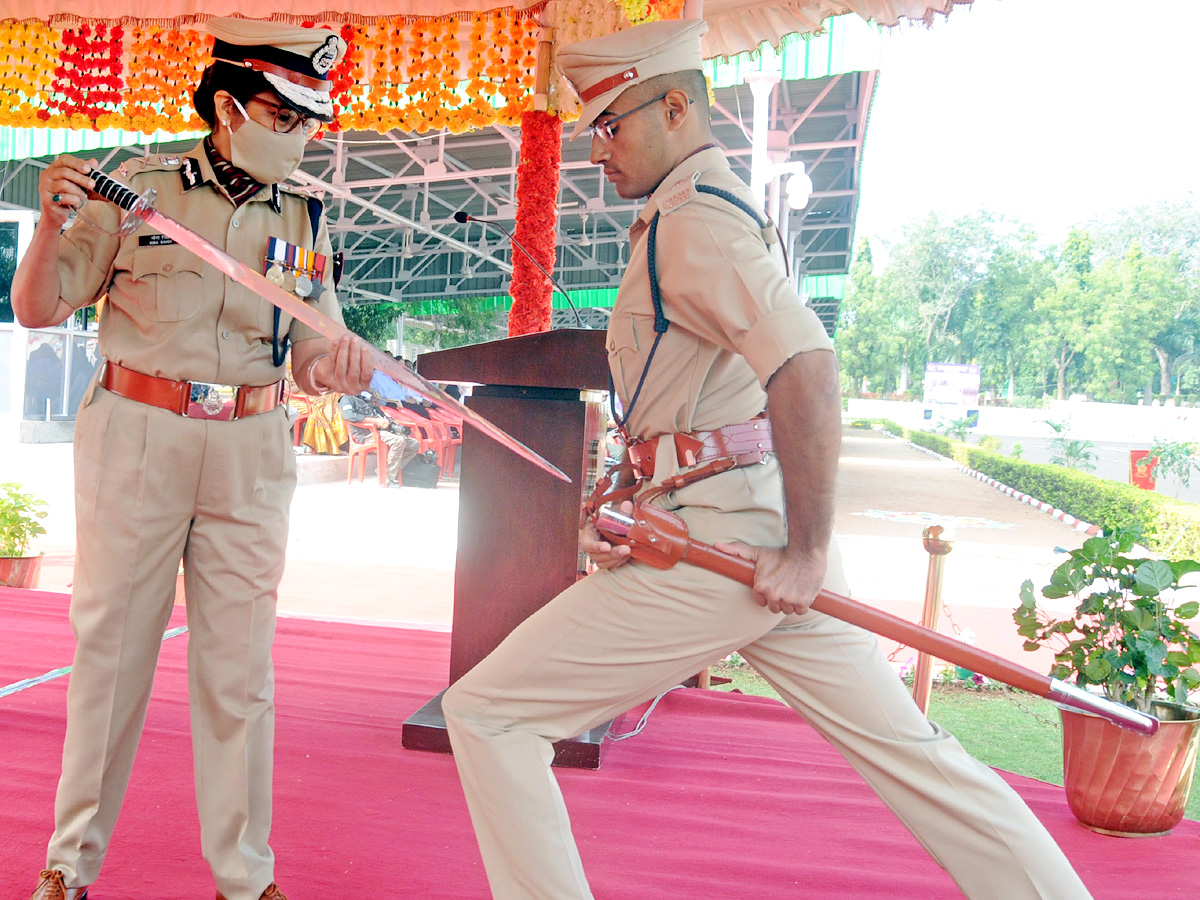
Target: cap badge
325, 55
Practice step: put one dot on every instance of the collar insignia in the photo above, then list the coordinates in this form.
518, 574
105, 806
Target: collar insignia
190, 173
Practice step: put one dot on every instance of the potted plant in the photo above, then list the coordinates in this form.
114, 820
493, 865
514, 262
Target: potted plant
1130, 638
20, 523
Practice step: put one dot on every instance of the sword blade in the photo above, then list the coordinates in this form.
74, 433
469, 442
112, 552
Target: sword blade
322, 324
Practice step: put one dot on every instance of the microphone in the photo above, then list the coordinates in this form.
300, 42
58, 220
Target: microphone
462, 219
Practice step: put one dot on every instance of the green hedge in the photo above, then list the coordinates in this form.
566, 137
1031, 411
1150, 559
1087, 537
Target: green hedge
885, 424
938, 443
1168, 525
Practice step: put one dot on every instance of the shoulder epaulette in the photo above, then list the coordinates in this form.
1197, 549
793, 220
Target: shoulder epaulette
154, 163
679, 195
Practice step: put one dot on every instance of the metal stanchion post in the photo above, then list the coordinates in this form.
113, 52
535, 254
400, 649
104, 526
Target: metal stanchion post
937, 542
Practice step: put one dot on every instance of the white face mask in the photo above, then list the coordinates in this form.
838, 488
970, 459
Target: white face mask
262, 153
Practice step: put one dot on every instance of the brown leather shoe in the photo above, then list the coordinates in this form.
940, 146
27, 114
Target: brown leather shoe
51, 887
271, 893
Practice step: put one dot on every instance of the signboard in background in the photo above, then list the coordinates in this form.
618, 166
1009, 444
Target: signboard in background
954, 384
1141, 469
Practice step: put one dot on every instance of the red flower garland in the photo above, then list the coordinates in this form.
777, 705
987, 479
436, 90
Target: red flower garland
88, 75
537, 216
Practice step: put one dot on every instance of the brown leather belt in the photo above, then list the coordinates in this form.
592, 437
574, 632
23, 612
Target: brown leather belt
192, 399
695, 447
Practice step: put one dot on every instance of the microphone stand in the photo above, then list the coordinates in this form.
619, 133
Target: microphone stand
462, 218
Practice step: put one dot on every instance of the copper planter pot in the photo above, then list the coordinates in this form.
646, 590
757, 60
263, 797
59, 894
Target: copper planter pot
20, 571
1126, 784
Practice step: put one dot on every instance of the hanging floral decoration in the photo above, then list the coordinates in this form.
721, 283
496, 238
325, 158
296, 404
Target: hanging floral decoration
455, 73
537, 211
25, 79
87, 81
165, 66
638, 11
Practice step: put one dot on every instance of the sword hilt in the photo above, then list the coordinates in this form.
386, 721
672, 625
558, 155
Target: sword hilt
113, 191
123, 196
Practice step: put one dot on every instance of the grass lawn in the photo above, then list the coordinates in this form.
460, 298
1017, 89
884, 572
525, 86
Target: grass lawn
1006, 729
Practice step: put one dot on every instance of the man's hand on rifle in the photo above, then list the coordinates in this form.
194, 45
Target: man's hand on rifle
603, 554
785, 581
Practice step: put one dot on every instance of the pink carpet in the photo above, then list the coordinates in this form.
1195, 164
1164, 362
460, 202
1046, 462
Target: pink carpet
720, 796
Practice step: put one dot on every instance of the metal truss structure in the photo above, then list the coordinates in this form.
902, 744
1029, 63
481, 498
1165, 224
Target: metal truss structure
391, 198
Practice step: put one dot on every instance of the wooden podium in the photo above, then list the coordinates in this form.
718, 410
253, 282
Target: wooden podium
518, 537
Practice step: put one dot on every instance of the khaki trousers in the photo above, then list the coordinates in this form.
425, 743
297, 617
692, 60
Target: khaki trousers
151, 488
620, 637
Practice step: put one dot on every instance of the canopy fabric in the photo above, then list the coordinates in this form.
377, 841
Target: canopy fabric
736, 26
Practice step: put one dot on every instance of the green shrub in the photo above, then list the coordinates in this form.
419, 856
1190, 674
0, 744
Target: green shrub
1166, 523
989, 442
886, 424
935, 442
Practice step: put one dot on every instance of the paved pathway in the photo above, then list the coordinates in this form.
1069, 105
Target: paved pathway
361, 552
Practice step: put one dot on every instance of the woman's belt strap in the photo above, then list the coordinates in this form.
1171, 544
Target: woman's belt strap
696, 447
192, 399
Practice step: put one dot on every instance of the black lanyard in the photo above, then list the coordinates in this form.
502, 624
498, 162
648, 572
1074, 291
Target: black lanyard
661, 324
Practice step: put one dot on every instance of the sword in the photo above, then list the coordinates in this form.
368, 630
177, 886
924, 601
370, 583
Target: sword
142, 208
660, 539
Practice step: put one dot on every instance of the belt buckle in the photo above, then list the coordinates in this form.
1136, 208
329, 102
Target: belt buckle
212, 401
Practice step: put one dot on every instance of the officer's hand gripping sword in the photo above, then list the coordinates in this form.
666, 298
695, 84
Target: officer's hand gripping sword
142, 208
660, 539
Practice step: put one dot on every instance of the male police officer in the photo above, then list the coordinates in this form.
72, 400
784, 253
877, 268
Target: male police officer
739, 340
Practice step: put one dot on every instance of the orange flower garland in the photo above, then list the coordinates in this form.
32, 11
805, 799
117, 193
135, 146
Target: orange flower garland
165, 67
537, 213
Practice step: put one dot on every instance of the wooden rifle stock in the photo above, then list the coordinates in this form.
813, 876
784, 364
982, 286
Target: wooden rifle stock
660, 539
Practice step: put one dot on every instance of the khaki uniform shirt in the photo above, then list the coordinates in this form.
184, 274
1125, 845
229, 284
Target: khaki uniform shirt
170, 314
735, 317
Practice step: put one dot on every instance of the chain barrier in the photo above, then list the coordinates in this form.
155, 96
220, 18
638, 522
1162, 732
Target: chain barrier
1013, 695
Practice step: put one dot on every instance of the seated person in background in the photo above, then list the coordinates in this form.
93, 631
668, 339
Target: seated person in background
386, 387
362, 409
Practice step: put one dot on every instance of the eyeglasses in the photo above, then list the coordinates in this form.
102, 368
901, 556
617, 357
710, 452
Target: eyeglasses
606, 131
287, 119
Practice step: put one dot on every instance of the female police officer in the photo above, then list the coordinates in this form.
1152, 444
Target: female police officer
181, 445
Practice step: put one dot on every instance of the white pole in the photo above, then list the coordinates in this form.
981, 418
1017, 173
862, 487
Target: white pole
761, 85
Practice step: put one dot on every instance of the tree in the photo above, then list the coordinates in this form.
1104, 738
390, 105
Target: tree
1064, 314
375, 323
1159, 229
1137, 299
997, 333
872, 337
937, 269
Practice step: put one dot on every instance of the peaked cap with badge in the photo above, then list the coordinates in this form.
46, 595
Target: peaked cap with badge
295, 61
600, 69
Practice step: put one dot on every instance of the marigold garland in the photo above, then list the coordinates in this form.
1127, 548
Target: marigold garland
456, 73
25, 80
537, 213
